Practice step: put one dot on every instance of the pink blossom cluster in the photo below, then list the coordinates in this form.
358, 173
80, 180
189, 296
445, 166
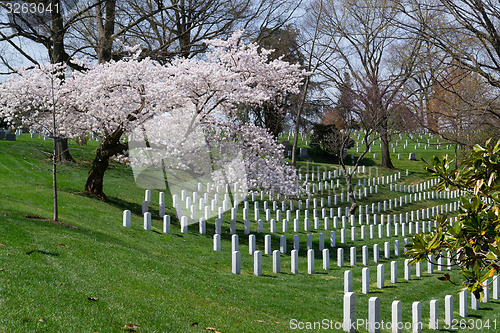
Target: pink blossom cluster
121, 96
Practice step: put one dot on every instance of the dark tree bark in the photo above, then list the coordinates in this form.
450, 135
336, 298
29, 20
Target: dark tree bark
105, 26
274, 118
62, 153
350, 193
95, 179
386, 157
108, 147
62, 150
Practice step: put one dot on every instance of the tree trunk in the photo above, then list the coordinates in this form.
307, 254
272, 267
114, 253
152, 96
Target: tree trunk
273, 118
56, 56
297, 121
350, 191
62, 150
105, 28
95, 179
184, 24
108, 147
81, 140
386, 157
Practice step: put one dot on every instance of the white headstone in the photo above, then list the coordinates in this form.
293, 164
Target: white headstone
365, 280
349, 323
394, 272
257, 263
448, 310
234, 243
416, 317
463, 304
326, 259
251, 244
347, 281
283, 244
380, 276
364, 254
294, 261
496, 287
353, 255
217, 242
418, 268
147, 221
434, 315
374, 315
166, 224
397, 317
276, 261
126, 218
321, 241
310, 261
474, 303
236, 262
407, 269
267, 244
340, 257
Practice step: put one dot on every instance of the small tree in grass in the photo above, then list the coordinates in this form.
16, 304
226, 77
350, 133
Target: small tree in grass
41, 108
328, 138
351, 114
474, 239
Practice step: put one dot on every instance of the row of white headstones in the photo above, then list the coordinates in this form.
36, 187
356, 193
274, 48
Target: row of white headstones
294, 255
202, 221
208, 210
236, 256
272, 227
374, 324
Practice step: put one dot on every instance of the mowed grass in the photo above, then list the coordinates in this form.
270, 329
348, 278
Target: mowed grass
93, 275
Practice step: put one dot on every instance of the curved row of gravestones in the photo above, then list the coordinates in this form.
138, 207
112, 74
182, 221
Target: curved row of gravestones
209, 210
370, 219
5, 134
296, 239
374, 323
374, 302
258, 254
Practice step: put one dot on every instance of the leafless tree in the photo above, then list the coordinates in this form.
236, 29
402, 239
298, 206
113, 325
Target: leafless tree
316, 55
459, 60
365, 39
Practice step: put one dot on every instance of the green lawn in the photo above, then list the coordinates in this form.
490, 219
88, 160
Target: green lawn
93, 275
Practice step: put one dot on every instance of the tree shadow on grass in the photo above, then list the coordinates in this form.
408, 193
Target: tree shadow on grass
43, 252
269, 276
134, 208
85, 232
390, 287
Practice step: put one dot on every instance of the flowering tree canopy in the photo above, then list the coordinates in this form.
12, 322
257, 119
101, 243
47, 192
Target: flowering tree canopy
112, 99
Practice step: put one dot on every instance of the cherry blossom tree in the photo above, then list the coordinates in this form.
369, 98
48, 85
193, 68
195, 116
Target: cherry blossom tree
114, 98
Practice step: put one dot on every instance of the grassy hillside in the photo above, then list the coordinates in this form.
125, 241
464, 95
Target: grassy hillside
90, 274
